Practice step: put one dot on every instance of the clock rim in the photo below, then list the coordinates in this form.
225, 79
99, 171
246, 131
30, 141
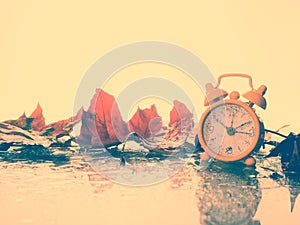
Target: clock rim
250, 149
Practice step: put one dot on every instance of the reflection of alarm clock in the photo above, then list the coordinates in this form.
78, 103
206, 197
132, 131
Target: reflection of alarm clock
230, 130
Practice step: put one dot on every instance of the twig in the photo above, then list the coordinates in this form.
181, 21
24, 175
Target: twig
274, 132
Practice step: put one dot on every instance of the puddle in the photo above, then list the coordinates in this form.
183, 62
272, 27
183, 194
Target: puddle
73, 193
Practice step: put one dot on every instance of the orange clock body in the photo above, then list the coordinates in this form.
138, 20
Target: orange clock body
230, 130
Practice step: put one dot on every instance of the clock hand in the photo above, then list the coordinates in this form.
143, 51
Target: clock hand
241, 132
243, 124
220, 122
231, 125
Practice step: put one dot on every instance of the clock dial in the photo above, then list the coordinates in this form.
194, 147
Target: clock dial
229, 131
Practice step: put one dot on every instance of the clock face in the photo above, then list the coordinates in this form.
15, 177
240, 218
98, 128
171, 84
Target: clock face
229, 131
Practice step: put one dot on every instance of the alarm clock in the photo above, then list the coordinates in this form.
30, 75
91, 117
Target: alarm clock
230, 129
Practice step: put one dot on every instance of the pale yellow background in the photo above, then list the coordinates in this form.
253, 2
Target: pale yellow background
47, 46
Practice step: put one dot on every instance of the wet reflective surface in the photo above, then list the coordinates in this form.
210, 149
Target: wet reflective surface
71, 192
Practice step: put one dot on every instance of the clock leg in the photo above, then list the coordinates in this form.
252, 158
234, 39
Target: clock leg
250, 161
205, 161
204, 157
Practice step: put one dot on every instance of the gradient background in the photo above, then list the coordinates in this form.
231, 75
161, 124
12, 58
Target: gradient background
47, 46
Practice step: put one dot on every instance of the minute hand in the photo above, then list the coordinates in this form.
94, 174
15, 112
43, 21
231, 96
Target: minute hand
243, 124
